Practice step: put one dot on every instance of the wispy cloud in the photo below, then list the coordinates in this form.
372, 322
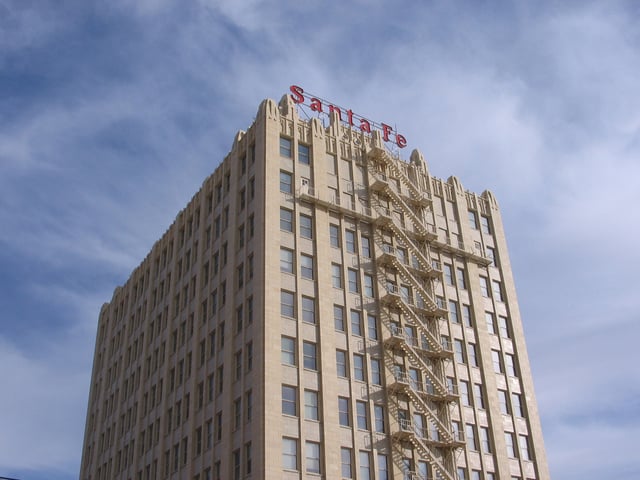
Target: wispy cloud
113, 115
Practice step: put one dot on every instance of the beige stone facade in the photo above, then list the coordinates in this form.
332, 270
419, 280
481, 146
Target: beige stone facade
320, 309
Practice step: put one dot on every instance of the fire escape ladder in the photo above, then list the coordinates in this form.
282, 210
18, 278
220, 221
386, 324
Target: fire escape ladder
405, 274
418, 444
381, 184
415, 390
414, 320
380, 154
418, 254
417, 360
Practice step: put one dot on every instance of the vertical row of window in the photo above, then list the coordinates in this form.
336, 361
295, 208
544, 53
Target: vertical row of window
242, 360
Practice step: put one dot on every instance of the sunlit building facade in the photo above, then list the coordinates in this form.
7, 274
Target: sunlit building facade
321, 309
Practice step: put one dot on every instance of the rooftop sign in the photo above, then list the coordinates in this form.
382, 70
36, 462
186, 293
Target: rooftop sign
322, 106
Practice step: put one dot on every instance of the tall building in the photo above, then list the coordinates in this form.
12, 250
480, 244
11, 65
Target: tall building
320, 309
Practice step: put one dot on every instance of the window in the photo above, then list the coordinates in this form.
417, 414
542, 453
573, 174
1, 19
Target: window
497, 361
486, 226
508, 440
289, 400
372, 326
350, 240
248, 401
485, 440
306, 226
353, 280
286, 182
237, 413
238, 365
338, 317
473, 356
478, 397
289, 453
497, 290
286, 260
516, 402
365, 465
331, 164
502, 400
365, 243
491, 322
312, 457
303, 154
459, 349
376, 376
462, 473
491, 255
356, 323
448, 274
401, 253
286, 220
473, 220
345, 462
341, 363
288, 351
466, 315
311, 405
368, 285
455, 430
510, 366
218, 426
476, 475
523, 440
383, 467
358, 367
287, 308
378, 411
309, 355
362, 419
336, 275
308, 310
462, 283
334, 235
285, 147
504, 327
464, 393
343, 411
484, 287
472, 444
247, 459
250, 310
453, 311
242, 198
306, 266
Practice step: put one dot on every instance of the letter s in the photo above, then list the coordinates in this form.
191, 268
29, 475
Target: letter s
296, 94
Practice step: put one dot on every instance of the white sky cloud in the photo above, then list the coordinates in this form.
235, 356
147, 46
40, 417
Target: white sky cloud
113, 116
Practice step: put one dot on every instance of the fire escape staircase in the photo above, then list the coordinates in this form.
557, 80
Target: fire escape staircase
415, 436
426, 355
410, 347
381, 184
417, 196
418, 391
389, 256
434, 347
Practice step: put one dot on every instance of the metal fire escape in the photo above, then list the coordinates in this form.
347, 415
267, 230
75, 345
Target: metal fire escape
407, 275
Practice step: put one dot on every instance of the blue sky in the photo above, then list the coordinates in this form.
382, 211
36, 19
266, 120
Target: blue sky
112, 114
